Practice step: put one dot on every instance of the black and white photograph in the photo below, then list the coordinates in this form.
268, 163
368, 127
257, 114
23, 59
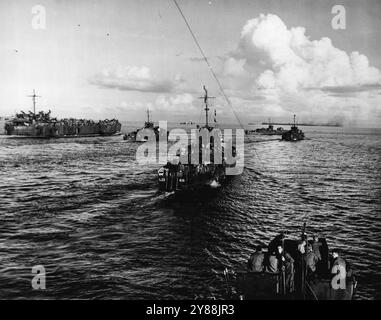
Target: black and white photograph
218, 151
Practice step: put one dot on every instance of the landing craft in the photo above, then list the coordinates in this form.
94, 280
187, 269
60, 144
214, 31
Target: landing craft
270, 285
42, 125
192, 171
269, 131
295, 134
141, 135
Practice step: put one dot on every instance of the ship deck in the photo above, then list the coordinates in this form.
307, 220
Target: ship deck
59, 137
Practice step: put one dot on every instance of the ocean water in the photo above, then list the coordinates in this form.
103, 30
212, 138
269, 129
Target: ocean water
93, 217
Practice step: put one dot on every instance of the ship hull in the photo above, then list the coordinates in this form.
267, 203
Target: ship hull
268, 286
48, 131
187, 180
145, 135
293, 136
202, 183
61, 137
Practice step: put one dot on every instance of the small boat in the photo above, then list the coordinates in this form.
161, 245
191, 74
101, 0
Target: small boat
142, 134
265, 285
295, 134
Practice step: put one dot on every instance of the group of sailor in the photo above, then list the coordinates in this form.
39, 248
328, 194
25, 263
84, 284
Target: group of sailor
30, 117
86, 122
44, 117
276, 260
306, 262
84, 126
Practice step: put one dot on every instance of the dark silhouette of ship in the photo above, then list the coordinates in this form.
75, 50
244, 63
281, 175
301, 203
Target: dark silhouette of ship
269, 131
202, 174
295, 134
187, 123
142, 134
306, 124
42, 125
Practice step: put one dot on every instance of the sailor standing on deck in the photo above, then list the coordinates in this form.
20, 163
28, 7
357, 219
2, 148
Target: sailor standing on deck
300, 268
337, 260
311, 260
256, 261
272, 263
340, 268
316, 244
302, 247
286, 262
278, 240
340, 262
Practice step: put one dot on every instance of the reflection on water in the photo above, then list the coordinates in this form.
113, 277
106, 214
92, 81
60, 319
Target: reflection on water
92, 216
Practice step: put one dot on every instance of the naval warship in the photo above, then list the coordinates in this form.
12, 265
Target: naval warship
193, 175
43, 125
295, 134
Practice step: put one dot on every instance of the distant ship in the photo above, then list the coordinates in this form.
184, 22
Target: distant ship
141, 135
269, 131
329, 124
295, 134
189, 176
42, 125
187, 123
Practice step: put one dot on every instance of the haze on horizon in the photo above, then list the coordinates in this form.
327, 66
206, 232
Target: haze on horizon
103, 59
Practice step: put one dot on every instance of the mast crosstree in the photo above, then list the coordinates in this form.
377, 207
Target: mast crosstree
206, 97
34, 96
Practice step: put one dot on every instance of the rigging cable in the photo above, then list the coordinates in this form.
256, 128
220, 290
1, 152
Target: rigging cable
207, 62
312, 291
219, 83
213, 73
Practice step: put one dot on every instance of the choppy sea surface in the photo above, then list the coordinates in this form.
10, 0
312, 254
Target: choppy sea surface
93, 217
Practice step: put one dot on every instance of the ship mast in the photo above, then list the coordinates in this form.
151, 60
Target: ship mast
294, 120
148, 114
34, 96
206, 106
206, 97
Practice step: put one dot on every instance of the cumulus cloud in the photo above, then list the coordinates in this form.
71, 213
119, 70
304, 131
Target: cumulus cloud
179, 102
283, 71
293, 62
133, 78
234, 67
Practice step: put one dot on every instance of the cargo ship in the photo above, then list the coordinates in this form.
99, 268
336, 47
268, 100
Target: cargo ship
43, 125
201, 174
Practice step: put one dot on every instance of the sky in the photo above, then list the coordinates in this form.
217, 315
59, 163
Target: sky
116, 58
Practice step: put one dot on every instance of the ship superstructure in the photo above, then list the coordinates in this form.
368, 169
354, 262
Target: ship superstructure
191, 174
